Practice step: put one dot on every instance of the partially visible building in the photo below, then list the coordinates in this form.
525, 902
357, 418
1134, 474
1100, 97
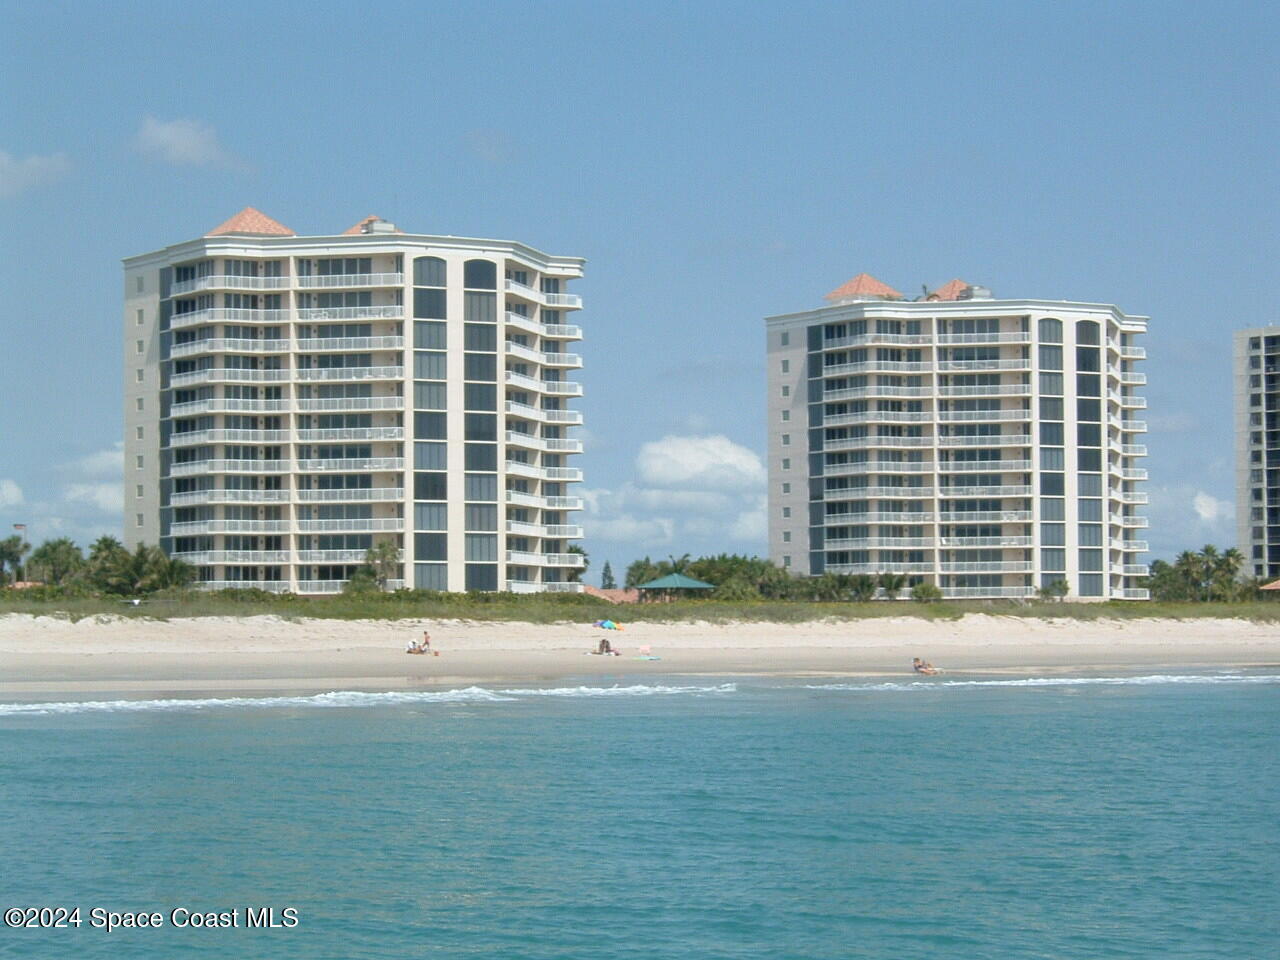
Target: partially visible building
989, 447
291, 402
1256, 374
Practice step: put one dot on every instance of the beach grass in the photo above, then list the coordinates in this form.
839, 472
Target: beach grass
554, 608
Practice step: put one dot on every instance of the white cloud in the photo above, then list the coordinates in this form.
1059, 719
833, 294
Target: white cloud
650, 531
184, 143
10, 493
1210, 509
752, 524
710, 462
101, 463
104, 497
17, 175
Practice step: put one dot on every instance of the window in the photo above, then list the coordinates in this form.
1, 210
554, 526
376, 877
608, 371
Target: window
429, 516
480, 396
1088, 359
481, 486
1088, 385
137, 432
481, 516
480, 307
429, 426
785, 340
428, 272
786, 488
786, 561
141, 346
430, 456
786, 390
428, 335
786, 536
1091, 536
137, 404
481, 456
430, 304
480, 275
786, 415
139, 461
1089, 410
139, 318
1051, 383
482, 547
138, 375
1090, 584
482, 576
431, 576
1053, 510
1087, 332
1051, 458
786, 463
429, 396
1050, 330
139, 516
1053, 534
786, 513
428, 365
1090, 509
479, 336
786, 440
1051, 484
430, 486
1051, 433
786, 366
1055, 559
1089, 434
481, 426
138, 491
1050, 408
480, 366
431, 546
1050, 358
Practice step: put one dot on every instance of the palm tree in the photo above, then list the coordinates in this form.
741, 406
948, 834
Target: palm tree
576, 573
863, 587
892, 584
384, 559
12, 549
55, 561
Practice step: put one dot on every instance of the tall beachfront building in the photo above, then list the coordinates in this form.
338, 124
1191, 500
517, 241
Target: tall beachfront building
989, 447
291, 402
1256, 372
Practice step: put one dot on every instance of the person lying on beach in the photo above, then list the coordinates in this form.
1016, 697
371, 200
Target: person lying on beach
922, 666
415, 647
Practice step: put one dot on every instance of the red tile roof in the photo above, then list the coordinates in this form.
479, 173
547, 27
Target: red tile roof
949, 291
359, 227
864, 285
253, 222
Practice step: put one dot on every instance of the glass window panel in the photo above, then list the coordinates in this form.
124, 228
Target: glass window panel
430, 546
480, 366
1051, 383
1050, 358
480, 336
431, 576
1089, 459
429, 426
481, 426
481, 456
481, 486
482, 547
480, 308
1091, 536
1087, 332
481, 396
429, 335
1088, 359
1053, 534
1050, 330
428, 272
481, 516
430, 486
1091, 560
430, 456
1053, 560
1089, 434
1088, 384
1089, 410
1052, 458
1051, 433
1051, 484
429, 396
430, 516
482, 576
428, 365
1050, 408
480, 275
1090, 584
1090, 510
430, 304
1053, 509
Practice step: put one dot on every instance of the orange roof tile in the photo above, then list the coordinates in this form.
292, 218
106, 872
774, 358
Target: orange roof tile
949, 291
864, 285
254, 222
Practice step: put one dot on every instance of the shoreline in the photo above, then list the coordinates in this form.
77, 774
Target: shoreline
41, 657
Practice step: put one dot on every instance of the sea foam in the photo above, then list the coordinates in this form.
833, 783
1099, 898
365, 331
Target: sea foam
1150, 680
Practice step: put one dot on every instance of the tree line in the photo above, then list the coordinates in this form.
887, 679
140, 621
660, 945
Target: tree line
107, 567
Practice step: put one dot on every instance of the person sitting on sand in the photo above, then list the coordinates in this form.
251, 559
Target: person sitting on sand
922, 666
412, 647
605, 647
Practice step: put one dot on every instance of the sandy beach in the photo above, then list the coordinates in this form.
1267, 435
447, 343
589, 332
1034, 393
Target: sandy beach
44, 655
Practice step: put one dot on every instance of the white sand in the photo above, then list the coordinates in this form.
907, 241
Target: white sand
44, 654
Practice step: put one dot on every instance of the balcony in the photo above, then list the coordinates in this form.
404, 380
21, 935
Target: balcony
1133, 426
227, 405
194, 438
1000, 491
554, 531
864, 339
1127, 401
197, 527
224, 345
876, 466
852, 519
993, 566
984, 466
194, 467
877, 390
969, 542
953, 416
335, 556
343, 344
223, 282
390, 311
1131, 473
987, 516
562, 388
534, 586
519, 498
270, 586
206, 557
879, 543
367, 525
357, 464
351, 433
546, 444
526, 559
1133, 353
1131, 594
988, 593
228, 496
876, 416
885, 567
351, 495
351, 373
1130, 546
958, 365
330, 281
1133, 569
337, 586
568, 417
546, 359
1129, 522
562, 301
876, 366
521, 469
197, 318
1133, 449
992, 390
351, 403
227, 375
862, 443
894, 493
1010, 337
1133, 379
995, 442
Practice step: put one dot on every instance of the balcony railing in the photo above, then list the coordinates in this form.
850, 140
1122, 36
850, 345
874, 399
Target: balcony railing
875, 390
983, 415
1132, 522
1016, 364
876, 416
987, 593
315, 282
352, 495
336, 556
1133, 379
969, 542
194, 467
521, 499
227, 405
894, 493
535, 586
1130, 546
194, 438
196, 318
228, 496
556, 387
874, 366
879, 543
227, 375
1000, 491
351, 433
555, 531
992, 390
354, 463
862, 443
1132, 594
991, 566
390, 311
270, 586
367, 525
205, 557
1000, 440
855, 519
884, 567
196, 527
1009, 337
517, 409
567, 301
352, 403
524, 558
225, 345
1133, 353
548, 444
224, 282
329, 344
984, 466
904, 339
987, 516
351, 373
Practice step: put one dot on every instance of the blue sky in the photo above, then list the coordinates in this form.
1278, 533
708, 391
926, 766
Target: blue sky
716, 163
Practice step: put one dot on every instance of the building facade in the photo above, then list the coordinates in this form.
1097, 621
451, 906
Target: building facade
989, 447
291, 402
1256, 373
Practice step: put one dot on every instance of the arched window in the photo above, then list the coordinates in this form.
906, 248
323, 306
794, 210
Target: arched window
480, 275
1087, 332
428, 272
1050, 330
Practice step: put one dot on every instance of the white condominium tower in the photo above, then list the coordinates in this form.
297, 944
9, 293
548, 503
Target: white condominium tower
985, 446
292, 401
1256, 372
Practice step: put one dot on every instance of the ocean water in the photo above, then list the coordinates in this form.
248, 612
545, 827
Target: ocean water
749, 818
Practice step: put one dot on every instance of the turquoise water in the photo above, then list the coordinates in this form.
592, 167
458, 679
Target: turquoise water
754, 818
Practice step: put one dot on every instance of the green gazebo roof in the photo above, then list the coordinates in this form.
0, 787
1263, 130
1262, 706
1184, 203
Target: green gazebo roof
676, 581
